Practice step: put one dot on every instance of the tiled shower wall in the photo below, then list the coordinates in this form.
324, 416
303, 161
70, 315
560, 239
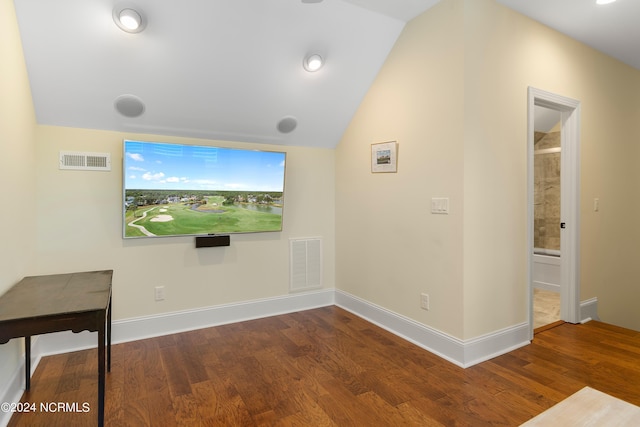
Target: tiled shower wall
547, 191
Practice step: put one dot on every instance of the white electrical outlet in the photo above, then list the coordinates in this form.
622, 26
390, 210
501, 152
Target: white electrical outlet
424, 301
159, 293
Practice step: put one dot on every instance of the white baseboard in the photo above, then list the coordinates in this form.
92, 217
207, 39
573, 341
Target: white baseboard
12, 391
439, 343
180, 321
463, 353
589, 310
546, 286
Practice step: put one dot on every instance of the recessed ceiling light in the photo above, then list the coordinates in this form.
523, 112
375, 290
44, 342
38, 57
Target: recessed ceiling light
313, 62
129, 19
604, 1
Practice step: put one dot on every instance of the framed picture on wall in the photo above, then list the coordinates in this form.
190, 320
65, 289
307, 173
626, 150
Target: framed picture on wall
384, 157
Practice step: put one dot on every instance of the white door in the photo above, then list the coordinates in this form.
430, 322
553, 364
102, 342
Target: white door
569, 201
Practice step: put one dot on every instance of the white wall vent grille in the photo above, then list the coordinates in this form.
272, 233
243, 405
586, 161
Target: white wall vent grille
76, 160
305, 264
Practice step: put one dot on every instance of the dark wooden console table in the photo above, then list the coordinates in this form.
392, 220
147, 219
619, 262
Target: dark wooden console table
60, 302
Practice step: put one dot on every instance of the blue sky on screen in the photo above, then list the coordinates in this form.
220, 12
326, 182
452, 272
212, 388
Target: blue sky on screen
162, 166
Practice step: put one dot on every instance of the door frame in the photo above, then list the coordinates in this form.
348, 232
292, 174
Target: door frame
569, 200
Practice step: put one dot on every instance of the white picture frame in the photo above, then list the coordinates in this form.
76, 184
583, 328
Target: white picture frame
384, 157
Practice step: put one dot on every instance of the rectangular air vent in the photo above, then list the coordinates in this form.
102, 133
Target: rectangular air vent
76, 160
305, 264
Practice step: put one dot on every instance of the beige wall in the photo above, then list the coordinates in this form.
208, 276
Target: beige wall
80, 227
453, 93
507, 52
390, 248
17, 148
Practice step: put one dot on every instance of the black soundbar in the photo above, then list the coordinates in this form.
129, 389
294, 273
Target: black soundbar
212, 241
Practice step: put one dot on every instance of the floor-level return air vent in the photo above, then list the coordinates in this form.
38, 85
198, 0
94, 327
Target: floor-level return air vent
76, 160
305, 264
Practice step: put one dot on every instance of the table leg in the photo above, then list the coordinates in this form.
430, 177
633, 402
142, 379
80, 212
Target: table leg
101, 374
109, 337
27, 362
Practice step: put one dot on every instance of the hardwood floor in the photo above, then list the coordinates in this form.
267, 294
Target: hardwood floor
327, 367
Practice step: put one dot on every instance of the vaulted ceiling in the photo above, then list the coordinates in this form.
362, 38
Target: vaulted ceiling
220, 69
610, 28
232, 69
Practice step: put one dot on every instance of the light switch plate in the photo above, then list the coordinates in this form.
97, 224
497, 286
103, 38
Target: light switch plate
440, 205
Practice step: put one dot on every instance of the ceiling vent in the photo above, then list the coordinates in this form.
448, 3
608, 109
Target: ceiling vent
76, 160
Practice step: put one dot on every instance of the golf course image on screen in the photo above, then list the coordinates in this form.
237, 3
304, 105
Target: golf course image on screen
177, 189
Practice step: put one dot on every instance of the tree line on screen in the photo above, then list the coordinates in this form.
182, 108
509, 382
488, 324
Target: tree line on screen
135, 198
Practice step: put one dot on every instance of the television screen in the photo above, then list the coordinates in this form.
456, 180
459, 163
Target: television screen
176, 189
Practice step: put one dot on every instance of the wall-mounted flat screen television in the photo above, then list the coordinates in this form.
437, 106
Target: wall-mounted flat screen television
177, 189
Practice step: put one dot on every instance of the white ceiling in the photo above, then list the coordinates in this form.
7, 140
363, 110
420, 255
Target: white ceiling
220, 69
232, 69
612, 28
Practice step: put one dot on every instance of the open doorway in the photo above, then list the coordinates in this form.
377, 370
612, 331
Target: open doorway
547, 155
565, 225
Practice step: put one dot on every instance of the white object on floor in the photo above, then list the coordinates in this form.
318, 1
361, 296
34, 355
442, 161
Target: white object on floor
589, 407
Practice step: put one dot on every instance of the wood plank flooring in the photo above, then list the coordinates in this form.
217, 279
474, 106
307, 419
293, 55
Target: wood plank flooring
327, 367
